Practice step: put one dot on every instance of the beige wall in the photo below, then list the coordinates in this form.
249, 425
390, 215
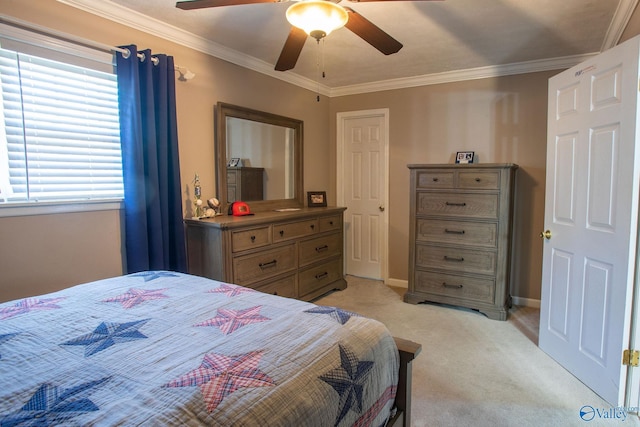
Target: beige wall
501, 119
43, 253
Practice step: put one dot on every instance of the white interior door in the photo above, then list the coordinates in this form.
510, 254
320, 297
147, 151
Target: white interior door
362, 187
591, 212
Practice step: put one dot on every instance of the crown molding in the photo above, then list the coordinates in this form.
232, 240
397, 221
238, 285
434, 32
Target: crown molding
122, 15
621, 18
463, 75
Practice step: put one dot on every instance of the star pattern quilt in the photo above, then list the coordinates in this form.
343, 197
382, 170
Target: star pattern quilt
171, 349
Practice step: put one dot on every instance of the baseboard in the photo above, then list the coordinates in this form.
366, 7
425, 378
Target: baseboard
525, 302
397, 283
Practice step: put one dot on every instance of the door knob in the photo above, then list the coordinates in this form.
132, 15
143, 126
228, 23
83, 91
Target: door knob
381, 208
545, 234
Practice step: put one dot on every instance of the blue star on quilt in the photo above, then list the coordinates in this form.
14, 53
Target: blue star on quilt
108, 334
348, 380
153, 275
134, 296
6, 337
52, 405
341, 316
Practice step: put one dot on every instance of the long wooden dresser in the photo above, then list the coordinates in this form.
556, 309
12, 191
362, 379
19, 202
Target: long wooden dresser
461, 220
296, 254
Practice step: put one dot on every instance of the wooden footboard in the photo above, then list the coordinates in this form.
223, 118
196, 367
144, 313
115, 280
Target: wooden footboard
408, 351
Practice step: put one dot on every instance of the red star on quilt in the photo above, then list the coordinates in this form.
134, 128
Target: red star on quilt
135, 296
228, 320
230, 290
218, 376
29, 304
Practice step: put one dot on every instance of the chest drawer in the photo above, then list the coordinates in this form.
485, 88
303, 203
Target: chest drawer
252, 238
456, 259
458, 205
451, 285
457, 232
283, 287
484, 180
434, 179
263, 265
316, 277
329, 223
293, 230
319, 248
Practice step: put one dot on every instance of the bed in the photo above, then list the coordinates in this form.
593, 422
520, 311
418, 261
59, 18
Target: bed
165, 348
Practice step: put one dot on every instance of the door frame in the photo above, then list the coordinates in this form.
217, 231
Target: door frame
341, 118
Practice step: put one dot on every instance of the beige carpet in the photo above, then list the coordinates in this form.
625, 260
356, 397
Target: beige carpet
474, 371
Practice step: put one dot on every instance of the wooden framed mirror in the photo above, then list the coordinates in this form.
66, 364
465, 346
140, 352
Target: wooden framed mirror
258, 158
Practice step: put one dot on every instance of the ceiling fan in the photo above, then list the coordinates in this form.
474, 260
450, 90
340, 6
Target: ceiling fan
328, 10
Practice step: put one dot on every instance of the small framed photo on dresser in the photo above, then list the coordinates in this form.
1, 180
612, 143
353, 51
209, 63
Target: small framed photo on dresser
463, 157
316, 198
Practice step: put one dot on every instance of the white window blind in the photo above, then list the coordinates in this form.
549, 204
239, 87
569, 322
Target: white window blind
60, 131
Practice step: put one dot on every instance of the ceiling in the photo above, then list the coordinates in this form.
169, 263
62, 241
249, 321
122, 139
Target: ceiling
444, 40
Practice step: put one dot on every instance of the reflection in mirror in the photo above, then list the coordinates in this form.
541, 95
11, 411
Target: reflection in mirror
266, 169
258, 158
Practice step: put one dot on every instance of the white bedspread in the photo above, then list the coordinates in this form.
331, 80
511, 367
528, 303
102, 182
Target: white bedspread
163, 348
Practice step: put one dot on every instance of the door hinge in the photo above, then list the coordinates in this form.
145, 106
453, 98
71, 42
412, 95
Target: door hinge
630, 357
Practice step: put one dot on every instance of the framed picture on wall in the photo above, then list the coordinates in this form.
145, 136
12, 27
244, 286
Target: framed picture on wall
464, 157
316, 198
234, 162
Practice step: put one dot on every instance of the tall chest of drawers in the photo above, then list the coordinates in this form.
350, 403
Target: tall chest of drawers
461, 220
296, 254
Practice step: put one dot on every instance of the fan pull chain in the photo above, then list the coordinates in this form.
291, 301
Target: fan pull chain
320, 66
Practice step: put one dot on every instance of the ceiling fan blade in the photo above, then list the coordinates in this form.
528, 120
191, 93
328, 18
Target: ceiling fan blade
291, 50
202, 4
371, 33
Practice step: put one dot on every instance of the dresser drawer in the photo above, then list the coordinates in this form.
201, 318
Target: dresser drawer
251, 238
457, 232
316, 277
451, 285
283, 287
486, 180
262, 265
458, 205
434, 179
293, 230
319, 248
456, 259
329, 223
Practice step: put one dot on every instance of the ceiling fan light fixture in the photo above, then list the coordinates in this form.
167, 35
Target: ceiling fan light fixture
318, 18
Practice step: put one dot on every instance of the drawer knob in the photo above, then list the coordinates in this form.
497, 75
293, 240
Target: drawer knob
451, 258
281, 233
264, 265
455, 204
330, 222
312, 226
321, 276
435, 179
322, 248
447, 285
253, 238
478, 179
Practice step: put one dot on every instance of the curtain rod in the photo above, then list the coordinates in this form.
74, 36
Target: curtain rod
25, 25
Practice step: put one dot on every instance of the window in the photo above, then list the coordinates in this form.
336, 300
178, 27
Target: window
60, 134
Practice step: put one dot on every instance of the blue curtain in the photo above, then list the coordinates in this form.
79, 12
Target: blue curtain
154, 232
